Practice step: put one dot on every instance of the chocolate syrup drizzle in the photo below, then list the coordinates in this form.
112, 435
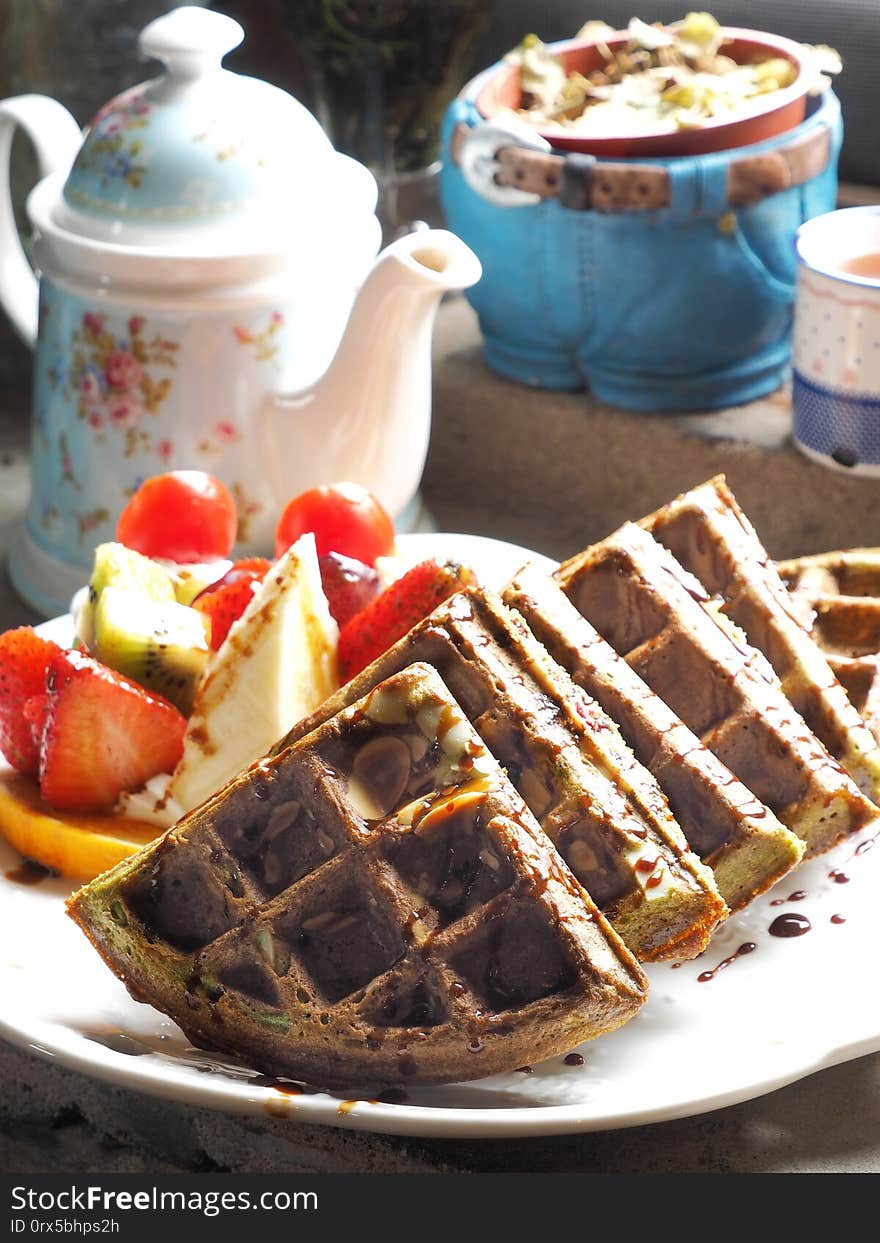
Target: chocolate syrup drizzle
28, 873
747, 947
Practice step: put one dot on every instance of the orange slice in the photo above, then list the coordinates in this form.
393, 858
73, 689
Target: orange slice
78, 845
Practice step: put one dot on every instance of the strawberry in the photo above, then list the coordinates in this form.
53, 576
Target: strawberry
393, 613
103, 734
225, 601
349, 585
24, 657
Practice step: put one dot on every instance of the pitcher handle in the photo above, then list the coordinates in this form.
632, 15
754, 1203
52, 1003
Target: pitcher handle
56, 138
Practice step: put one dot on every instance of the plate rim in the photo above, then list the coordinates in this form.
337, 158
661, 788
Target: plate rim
417, 1121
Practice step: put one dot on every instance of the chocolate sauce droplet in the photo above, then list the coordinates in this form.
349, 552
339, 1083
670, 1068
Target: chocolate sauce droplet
790, 925
839, 878
838, 919
28, 873
573, 1059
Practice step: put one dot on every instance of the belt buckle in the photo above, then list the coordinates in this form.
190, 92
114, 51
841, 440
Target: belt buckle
479, 163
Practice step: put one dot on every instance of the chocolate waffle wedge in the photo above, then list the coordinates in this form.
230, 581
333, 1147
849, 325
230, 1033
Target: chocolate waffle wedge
659, 618
707, 533
838, 596
602, 810
852, 573
742, 841
374, 905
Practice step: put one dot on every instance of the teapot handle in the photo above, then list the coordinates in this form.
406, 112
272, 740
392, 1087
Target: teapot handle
56, 138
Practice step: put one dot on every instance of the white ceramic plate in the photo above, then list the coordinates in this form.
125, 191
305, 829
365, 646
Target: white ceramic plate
785, 1010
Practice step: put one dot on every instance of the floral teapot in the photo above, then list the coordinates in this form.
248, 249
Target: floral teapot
209, 297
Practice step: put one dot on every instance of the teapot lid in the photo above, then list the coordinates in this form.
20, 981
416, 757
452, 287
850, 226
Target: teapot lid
200, 156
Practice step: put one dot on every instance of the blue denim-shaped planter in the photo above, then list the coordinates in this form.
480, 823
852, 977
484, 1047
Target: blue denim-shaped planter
686, 307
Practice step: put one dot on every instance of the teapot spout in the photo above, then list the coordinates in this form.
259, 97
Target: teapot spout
368, 419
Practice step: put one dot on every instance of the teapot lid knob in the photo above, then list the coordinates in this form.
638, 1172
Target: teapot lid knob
190, 40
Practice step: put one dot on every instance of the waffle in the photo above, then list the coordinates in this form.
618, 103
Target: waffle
853, 572
707, 532
838, 596
658, 617
374, 905
602, 810
742, 841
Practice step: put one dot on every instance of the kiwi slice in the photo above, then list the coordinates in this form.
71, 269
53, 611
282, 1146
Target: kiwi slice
120, 567
161, 644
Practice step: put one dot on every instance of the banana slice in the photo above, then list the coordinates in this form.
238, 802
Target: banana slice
275, 666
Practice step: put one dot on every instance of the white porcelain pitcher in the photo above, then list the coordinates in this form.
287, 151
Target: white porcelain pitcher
209, 297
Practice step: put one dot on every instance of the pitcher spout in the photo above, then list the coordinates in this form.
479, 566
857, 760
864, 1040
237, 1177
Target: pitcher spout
368, 419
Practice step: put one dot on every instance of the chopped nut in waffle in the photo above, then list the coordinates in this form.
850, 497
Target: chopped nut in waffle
743, 842
602, 810
374, 905
707, 533
838, 596
659, 618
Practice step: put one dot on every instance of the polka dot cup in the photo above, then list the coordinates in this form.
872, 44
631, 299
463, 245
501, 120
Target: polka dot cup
836, 386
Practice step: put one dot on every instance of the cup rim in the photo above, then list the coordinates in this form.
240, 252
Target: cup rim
815, 225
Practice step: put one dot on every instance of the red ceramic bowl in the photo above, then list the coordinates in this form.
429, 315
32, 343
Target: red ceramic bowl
768, 116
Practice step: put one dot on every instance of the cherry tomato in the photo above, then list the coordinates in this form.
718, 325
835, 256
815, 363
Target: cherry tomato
345, 519
185, 515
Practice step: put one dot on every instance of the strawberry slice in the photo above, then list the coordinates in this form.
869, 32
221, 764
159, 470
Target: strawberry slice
103, 734
24, 658
225, 601
393, 613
